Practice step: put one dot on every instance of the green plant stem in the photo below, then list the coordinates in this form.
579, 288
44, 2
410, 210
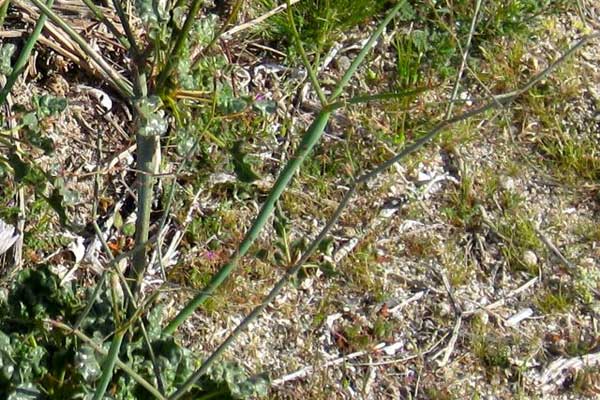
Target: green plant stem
464, 58
496, 102
176, 52
140, 87
3, 11
118, 81
147, 164
123, 18
115, 346
308, 141
98, 349
92, 301
360, 99
364, 51
108, 366
138, 310
307, 65
24, 55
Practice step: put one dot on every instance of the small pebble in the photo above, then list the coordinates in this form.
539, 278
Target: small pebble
507, 183
530, 258
343, 63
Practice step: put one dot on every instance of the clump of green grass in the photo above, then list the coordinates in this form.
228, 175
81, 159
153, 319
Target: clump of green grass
319, 22
570, 158
357, 334
553, 300
361, 268
461, 205
519, 236
586, 283
492, 350
460, 268
587, 230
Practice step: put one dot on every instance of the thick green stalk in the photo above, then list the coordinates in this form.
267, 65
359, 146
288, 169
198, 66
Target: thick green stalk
367, 98
311, 137
108, 365
119, 82
124, 326
24, 55
147, 164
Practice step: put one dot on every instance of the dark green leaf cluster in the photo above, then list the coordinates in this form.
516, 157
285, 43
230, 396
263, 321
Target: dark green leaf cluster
242, 167
38, 362
33, 126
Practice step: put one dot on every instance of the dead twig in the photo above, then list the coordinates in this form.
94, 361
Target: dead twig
502, 301
562, 369
554, 249
258, 20
451, 344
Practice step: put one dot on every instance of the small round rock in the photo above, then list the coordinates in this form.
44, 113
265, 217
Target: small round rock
530, 258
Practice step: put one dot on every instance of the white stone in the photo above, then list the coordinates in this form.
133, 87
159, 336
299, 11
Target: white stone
507, 183
530, 258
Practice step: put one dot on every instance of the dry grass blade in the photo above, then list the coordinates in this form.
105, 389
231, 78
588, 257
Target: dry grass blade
120, 83
55, 39
258, 20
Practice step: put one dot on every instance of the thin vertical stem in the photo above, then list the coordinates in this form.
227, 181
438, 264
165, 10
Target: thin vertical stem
124, 19
108, 366
465, 56
24, 55
307, 65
